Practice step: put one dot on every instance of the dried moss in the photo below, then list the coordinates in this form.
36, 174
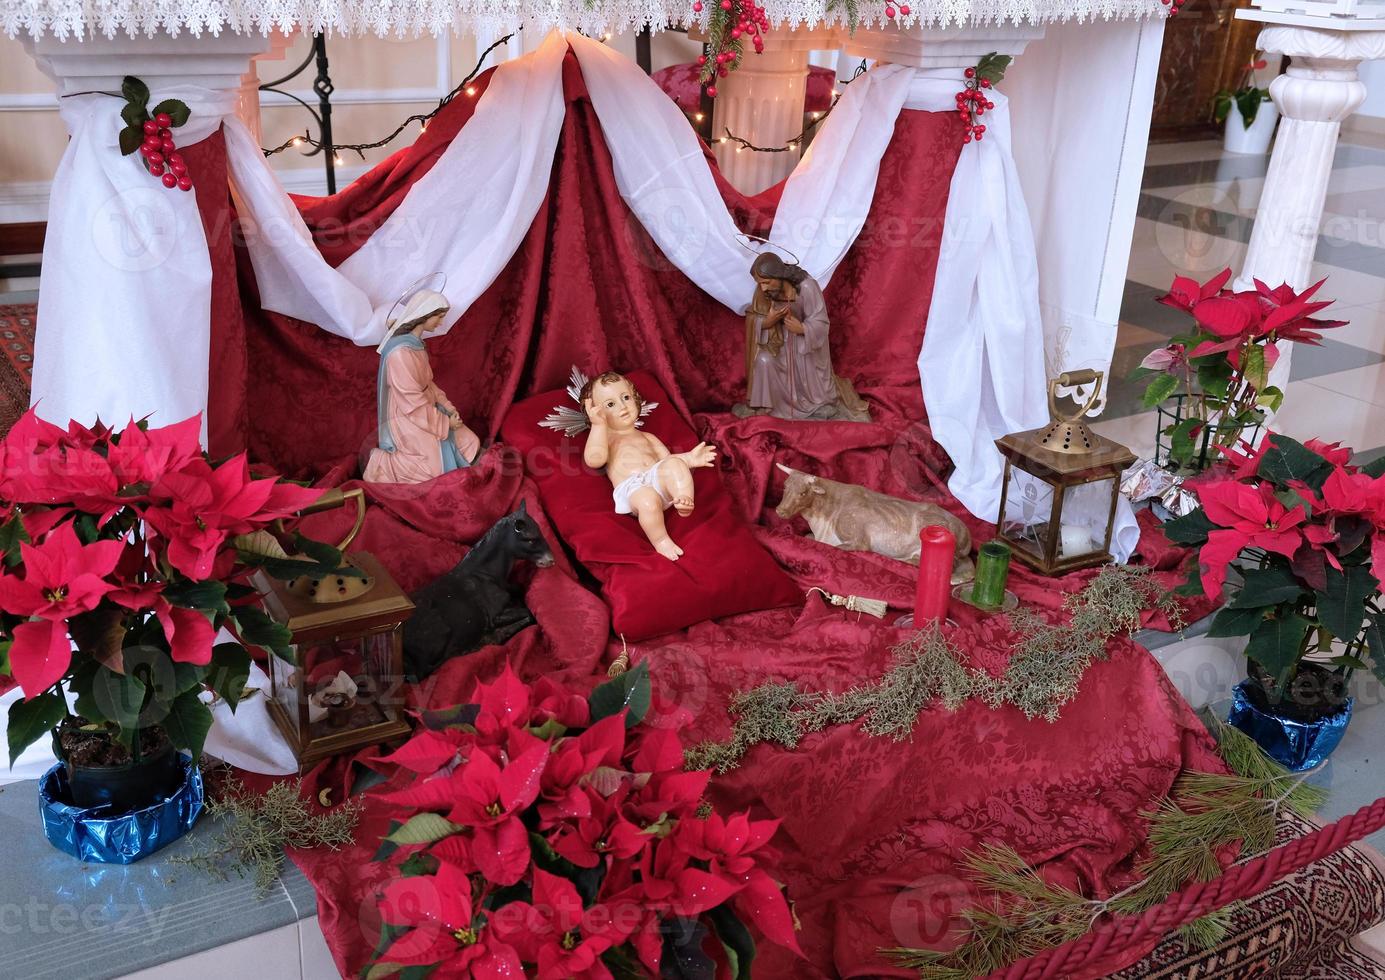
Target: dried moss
1044, 672
254, 829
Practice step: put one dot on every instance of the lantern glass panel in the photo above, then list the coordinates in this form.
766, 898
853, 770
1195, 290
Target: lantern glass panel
1082, 522
1028, 512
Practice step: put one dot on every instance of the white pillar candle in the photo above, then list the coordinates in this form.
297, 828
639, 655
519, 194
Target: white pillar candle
1076, 540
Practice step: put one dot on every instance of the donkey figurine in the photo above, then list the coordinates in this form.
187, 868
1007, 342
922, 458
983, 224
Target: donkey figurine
474, 604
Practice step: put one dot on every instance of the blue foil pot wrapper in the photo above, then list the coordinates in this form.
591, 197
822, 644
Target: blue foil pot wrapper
91, 835
1296, 745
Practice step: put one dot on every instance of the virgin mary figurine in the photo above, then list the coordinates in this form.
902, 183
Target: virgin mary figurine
421, 434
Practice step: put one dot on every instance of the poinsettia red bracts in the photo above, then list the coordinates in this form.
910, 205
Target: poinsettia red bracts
571, 834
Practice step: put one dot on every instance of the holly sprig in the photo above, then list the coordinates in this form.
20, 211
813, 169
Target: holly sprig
136, 113
971, 101
150, 133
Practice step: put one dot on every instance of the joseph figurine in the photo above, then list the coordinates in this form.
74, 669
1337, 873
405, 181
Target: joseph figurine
788, 358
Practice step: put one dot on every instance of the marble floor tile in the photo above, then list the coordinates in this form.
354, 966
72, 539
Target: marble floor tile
1365, 384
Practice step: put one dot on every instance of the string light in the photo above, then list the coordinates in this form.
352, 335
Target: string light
420, 118
794, 143
697, 116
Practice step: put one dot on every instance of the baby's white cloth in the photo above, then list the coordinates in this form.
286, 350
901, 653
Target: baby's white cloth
621, 494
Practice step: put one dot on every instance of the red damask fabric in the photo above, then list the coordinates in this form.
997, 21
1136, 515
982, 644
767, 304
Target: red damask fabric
873, 829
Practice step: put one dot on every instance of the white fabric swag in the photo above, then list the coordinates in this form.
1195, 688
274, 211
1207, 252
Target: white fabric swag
981, 366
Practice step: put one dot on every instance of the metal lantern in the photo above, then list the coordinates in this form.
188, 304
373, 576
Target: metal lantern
1061, 483
348, 640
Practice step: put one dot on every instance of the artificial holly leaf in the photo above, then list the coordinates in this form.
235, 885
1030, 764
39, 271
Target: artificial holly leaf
630, 691
1159, 390
992, 67
30, 720
1342, 605
134, 90
1191, 528
229, 672
135, 116
130, 139
187, 723
177, 110
1287, 461
735, 937
1267, 587
1235, 622
1277, 643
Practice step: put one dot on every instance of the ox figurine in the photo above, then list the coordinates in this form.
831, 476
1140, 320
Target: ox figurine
856, 519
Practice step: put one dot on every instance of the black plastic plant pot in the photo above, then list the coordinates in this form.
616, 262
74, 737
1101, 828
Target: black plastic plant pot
123, 788
1315, 692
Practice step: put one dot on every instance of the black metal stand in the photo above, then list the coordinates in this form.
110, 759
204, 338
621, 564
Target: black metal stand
322, 86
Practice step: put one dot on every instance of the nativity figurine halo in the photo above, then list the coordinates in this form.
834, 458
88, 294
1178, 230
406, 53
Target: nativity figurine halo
419, 431
572, 422
788, 357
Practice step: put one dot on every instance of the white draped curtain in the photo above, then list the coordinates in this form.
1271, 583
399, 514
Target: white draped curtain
126, 311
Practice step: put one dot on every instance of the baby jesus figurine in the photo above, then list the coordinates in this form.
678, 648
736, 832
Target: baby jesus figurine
647, 478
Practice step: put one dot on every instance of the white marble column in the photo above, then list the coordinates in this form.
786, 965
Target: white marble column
1319, 90
762, 101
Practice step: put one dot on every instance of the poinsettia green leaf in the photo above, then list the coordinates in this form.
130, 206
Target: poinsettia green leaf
1159, 390
12, 535
177, 110
104, 695
258, 629
187, 723
208, 596
1267, 587
387, 846
1288, 461
424, 828
1277, 643
630, 691
134, 90
1191, 528
1375, 468
1183, 440
1253, 367
1236, 622
31, 719
229, 672
1342, 605
1271, 398
736, 938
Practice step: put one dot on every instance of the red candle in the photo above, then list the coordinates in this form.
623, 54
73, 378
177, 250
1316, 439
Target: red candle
936, 548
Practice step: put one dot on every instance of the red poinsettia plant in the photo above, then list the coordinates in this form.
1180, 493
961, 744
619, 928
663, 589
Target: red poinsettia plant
125, 553
1308, 528
1220, 370
546, 834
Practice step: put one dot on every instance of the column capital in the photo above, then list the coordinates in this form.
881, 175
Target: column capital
940, 47
98, 62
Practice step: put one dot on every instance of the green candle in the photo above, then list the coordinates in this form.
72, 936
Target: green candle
992, 569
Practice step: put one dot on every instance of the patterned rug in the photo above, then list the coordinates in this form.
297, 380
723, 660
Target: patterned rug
17, 324
1302, 928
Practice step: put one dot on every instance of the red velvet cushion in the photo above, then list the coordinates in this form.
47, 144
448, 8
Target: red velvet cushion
723, 570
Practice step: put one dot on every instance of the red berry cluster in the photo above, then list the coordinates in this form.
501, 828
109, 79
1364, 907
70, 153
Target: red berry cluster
972, 104
890, 10
747, 19
161, 154
1174, 6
